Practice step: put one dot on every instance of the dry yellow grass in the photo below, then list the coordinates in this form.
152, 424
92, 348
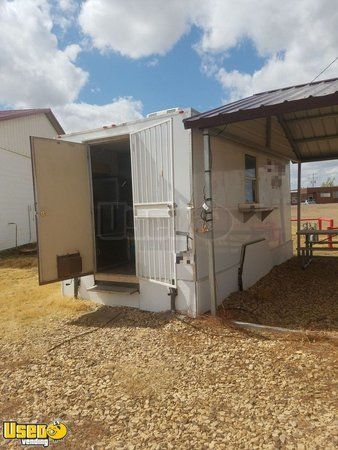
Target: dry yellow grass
26, 306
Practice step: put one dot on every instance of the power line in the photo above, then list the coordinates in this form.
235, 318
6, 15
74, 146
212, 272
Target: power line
332, 62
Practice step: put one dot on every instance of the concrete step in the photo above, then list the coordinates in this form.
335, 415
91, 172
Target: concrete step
114, 288
116, 277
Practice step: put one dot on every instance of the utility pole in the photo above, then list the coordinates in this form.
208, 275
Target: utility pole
313, 180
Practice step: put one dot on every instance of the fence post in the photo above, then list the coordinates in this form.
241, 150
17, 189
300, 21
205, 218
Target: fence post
330, 227
299, 202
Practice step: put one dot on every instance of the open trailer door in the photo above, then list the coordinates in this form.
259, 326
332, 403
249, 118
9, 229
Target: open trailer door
63, 205
153, 197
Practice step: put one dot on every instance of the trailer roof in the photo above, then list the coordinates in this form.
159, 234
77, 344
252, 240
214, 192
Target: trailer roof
308, 114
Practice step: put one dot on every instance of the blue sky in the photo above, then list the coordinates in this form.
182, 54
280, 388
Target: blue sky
175, 79
96, 62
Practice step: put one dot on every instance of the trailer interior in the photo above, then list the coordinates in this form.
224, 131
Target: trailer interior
113, 211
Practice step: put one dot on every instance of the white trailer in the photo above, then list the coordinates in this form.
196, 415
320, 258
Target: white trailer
126, 210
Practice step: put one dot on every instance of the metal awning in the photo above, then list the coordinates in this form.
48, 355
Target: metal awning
308, 114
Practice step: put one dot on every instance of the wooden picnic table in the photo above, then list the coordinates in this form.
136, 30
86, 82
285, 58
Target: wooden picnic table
311, 240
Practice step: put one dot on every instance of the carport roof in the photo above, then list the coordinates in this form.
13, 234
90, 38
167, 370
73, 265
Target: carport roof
308, 114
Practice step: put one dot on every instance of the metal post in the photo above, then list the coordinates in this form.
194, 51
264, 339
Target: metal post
29, 223
16, 233
77, 282
173, 295
299, 201
210, 237
329, 237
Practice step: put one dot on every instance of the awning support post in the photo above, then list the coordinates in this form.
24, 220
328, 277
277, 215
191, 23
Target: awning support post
299, 201
210, 233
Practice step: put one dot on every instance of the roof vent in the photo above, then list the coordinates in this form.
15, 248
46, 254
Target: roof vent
164, 112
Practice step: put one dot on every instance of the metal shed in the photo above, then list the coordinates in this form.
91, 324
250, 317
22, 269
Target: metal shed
17, 225
191, 205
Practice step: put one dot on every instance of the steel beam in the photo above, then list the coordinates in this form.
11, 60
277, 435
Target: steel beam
324, 157
323, 137
268, 132
247, 143
315, 116
210, 233
299, 201
289, 136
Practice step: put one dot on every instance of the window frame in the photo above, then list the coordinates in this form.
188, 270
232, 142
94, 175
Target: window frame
253, 180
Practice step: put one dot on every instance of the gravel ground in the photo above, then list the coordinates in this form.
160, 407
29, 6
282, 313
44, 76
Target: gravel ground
154, 381
307, 299
151, 381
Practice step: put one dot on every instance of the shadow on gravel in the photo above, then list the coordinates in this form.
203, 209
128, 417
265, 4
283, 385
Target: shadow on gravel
287, 297
121, 317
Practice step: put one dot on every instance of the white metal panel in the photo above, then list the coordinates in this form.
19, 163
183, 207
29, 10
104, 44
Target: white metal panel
15, 133
16, 200
124, 129
16, 184
153, 196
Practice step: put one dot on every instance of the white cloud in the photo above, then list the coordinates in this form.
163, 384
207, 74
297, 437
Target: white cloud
82, 116
320, 171
72, 51
276, 73
33, 70
236, 82
135, 28
296, 38
64, 13
152, 62
67, 5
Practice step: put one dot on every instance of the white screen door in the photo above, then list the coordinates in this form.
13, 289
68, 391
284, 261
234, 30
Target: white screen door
63, 202
154, 209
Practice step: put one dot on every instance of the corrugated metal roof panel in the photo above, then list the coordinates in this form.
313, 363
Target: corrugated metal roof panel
319, 90
308, 111
320, 123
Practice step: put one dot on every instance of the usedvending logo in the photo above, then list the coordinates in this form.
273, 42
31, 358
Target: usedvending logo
34, 433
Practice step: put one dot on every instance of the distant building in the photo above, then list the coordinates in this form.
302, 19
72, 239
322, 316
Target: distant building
17, 216
320, 194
